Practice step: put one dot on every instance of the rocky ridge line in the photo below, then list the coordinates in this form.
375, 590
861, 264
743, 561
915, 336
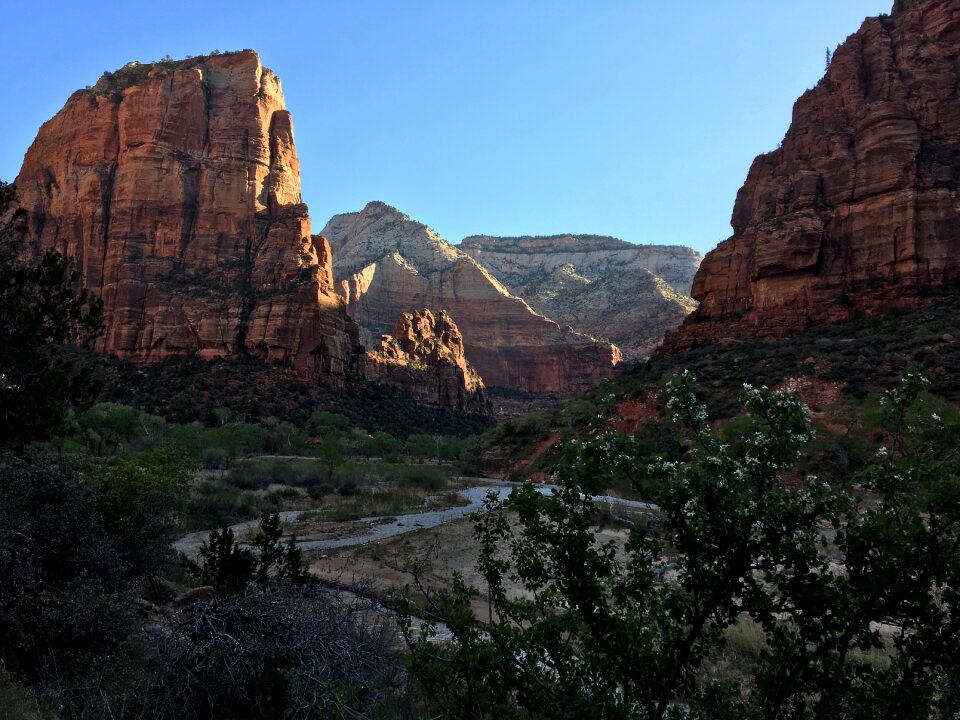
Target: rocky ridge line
386, 264
631, 295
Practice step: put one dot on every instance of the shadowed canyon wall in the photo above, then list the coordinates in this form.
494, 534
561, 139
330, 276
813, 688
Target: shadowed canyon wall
858, 209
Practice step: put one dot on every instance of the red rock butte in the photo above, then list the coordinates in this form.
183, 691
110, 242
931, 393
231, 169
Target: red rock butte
176, 186
858, 209
425, 358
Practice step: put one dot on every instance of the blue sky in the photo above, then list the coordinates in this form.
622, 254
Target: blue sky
637, 119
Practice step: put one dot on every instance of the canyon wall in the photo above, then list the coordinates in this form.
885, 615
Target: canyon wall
630, 295
858, 210
176, 186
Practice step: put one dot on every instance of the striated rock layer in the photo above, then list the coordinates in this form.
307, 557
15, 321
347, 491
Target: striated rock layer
515, 260
425, 358
176, 186
387, 264
859, 209
628, 294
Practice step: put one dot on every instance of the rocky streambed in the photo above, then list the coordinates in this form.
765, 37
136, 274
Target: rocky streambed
376, 528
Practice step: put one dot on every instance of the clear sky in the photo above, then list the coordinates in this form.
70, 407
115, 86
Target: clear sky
632, 118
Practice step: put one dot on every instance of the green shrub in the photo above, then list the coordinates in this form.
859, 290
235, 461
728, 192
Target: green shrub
318, 491
279, 494
258, 473
347, 486
322, 421
112, 423
214, 458
426, 477
215, 504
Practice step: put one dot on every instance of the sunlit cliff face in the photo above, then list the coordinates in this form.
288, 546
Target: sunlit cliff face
176, 186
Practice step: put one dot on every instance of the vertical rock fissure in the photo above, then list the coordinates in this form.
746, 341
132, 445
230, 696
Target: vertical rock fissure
107, 203
240, 335
206, 110
190, 172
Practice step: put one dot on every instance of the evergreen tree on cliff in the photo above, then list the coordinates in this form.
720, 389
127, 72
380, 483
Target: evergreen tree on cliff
46, 319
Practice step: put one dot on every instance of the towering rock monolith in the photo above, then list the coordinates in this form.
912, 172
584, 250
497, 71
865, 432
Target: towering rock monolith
176, 186
425, 358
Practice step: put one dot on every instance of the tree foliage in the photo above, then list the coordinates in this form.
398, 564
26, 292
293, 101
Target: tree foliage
46, 317
67, 571
855, 594
330, 454
233, 569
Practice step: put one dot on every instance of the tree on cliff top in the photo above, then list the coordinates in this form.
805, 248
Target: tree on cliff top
46, 317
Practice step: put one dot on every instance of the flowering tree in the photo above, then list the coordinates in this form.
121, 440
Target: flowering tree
855, 601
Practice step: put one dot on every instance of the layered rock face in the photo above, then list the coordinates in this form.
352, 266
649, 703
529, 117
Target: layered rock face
176, 186
859, 209
628, 294
386, 264
425, 358
517, 260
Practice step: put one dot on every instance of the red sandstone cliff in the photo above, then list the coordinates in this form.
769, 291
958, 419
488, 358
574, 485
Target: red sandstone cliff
859, 208
176, 186
425, 358
387, 264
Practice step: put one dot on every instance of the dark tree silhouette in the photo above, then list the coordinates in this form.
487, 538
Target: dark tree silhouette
47, 320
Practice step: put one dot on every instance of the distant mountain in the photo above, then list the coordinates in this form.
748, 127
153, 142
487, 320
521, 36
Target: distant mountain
628, 294
386, 264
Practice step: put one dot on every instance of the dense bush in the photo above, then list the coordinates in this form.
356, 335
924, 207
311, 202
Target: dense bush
70, 558
520, 435
214, 458
214, 503
426, 477
259, 473
318, 491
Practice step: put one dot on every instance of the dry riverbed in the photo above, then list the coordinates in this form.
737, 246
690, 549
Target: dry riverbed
381, 569
369, 543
